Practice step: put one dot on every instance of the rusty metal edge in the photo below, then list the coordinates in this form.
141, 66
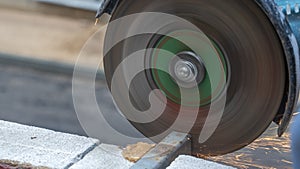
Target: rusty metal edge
164, 153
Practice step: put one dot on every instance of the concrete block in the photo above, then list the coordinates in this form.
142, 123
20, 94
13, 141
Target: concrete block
188, 162
103, 157
41, 147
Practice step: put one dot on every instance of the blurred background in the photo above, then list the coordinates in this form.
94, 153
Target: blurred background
40, 41
39, 45
47, 29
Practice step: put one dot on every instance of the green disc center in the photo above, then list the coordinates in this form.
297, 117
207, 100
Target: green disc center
194, 63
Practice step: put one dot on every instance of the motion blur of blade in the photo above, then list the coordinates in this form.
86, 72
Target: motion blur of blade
247, 63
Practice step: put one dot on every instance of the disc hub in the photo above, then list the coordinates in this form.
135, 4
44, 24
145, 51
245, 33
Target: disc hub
187, 69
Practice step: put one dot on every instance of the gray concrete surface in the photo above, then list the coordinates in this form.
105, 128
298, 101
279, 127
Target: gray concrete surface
45, 148
41, 147
38, 98
187, 162
103, 157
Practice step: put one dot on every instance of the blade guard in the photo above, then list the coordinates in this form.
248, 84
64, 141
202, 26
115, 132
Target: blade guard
106, 6
291, 49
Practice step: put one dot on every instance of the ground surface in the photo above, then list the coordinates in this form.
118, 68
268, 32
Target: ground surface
45, 100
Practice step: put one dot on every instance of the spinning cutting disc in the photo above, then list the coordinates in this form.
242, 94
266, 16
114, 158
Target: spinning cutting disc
248, 61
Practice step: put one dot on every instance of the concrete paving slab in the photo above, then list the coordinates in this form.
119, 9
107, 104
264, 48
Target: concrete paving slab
103, 157
41, 147
188, 162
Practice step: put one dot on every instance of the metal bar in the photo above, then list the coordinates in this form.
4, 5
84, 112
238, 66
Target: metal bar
166, 152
